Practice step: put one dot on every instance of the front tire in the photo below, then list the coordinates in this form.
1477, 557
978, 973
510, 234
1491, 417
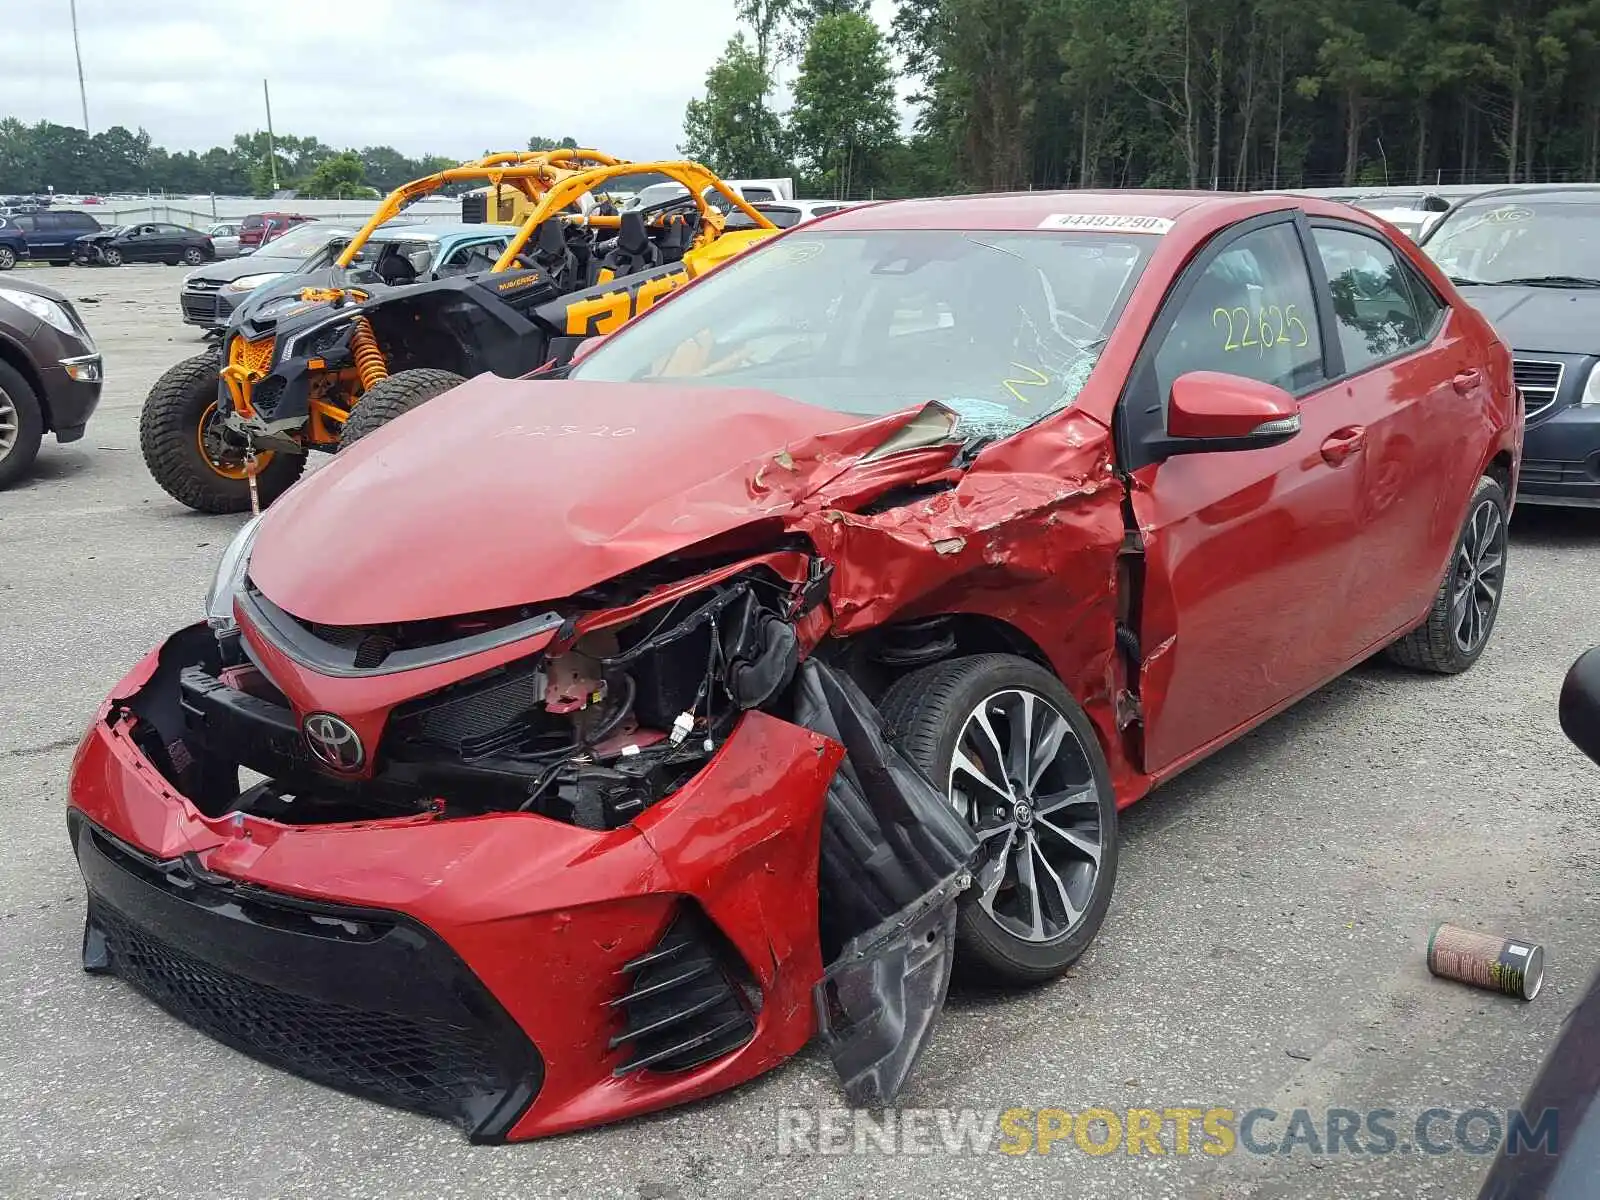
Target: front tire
193, 256
1021, 762
21, 425
187, 452
111, 256
393, 397
1468, 600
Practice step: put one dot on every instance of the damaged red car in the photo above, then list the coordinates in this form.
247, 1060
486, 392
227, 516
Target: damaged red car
796, 642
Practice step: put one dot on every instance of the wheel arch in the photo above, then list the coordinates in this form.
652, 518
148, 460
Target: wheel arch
18, 360
1502, 469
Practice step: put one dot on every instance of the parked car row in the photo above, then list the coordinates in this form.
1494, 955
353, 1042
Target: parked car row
62, 237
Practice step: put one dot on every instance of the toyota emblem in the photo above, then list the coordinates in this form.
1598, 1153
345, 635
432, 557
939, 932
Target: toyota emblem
335, 744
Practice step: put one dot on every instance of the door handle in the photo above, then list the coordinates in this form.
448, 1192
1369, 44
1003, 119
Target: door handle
1467, 381
1342, 443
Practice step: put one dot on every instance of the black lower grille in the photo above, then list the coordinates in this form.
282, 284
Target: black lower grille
362, 1000
1549, 470
266, 395
199, 308
427, 1066
685, 1004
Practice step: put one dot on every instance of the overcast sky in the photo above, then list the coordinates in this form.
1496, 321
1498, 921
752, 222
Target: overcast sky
454, 77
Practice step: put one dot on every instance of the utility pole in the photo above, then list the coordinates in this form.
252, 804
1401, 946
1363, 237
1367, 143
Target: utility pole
83, 94
272, 149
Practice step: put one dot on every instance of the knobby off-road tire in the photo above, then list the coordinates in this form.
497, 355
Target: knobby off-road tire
393, 397
1046, 818
171, 436
1468, 599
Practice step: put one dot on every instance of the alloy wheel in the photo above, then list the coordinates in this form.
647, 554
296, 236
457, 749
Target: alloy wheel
10, 426
8, 258
1020, 776
1478, 576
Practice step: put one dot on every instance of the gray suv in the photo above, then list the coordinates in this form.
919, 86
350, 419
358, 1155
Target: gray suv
50, 373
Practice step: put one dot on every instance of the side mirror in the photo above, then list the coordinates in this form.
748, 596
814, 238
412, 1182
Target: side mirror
1210, 411
1580, 704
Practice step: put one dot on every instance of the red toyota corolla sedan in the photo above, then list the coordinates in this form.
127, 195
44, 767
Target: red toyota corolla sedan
581, 745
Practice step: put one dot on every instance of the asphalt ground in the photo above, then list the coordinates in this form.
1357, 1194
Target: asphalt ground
1265, 948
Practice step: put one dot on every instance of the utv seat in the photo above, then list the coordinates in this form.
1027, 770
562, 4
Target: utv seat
553, 254
634, 250
675, 240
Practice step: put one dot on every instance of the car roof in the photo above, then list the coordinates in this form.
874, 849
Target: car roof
1567, 193
433, 231
1032, 210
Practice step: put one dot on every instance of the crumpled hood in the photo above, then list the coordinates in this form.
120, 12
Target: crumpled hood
505, 492
1551, 320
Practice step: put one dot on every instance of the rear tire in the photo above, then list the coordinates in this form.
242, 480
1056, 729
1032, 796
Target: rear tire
394, 397
8, 258
21, 425
1066, 809
193, 256
171, 435
1468, 599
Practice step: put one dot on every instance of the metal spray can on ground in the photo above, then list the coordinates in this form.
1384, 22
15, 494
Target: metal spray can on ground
1511, 966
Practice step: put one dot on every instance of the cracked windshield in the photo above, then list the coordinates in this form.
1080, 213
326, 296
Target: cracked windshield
1002, 328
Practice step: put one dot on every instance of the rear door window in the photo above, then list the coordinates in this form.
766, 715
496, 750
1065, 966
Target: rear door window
1380, 308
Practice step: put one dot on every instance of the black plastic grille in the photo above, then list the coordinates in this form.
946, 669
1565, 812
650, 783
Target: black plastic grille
199, 308
427, 1066
360, 999
1540, 383
266, 395
1549, 470
684, 1006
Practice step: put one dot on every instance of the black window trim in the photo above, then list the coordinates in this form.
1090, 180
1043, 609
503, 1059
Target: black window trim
1409, 273
1129, 443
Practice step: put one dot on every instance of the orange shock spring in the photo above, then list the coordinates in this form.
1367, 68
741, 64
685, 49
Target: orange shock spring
370, 364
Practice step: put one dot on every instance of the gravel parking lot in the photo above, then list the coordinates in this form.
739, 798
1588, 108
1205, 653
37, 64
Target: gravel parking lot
1265, 948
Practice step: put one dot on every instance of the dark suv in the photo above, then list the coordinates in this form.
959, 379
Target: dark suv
49, 373
46, 235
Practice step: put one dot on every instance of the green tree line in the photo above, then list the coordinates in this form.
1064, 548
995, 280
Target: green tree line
1226, 94
36, 157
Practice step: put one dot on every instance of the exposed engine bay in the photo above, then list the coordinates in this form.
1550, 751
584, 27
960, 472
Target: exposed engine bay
609, 718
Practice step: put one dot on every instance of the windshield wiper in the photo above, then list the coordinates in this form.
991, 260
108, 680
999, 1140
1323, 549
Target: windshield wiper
1461, 281
1555, 281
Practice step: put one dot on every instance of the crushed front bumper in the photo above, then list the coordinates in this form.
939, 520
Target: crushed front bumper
499, 970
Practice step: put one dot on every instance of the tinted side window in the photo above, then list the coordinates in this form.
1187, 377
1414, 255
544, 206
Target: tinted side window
1249, 313
26, 224
49, 221
78, 221
1380, 309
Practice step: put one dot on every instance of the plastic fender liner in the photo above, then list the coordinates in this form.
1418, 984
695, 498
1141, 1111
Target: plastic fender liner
895, 857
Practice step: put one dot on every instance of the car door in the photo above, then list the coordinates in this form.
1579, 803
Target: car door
136, 243
172, 240
1245, 552
1412, 395
48, 240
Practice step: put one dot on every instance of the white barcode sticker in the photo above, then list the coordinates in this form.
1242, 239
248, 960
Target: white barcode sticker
1113, 222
